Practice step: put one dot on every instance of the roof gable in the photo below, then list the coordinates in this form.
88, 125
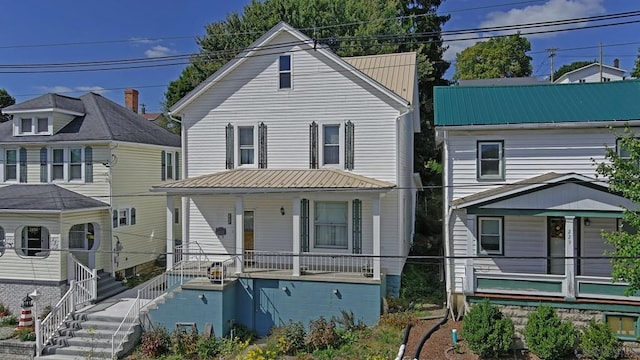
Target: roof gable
265, 39
611, 69
537, 104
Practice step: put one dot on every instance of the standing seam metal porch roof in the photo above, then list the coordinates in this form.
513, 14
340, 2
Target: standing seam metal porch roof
279, 179
550, 103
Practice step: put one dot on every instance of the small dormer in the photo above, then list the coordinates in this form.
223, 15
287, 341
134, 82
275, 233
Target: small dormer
44, 115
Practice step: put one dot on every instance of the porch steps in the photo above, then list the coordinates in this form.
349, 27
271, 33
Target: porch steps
88, 336
108, 286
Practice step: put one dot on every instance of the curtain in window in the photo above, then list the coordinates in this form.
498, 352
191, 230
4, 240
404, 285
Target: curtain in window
331, 224
304, 225
357, 226
88, 164
313, 145
262, 146
349, 154
163, 156
229, 146
44, 154
23, 165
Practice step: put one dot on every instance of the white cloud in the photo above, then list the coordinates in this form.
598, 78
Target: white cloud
158, 51
551, 10
141, 40
66, 90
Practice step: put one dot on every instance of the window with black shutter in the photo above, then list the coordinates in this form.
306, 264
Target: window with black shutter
262, 146
88, 164
348, 145
164, 165
44, 174
229, 146
23, 165
313, 145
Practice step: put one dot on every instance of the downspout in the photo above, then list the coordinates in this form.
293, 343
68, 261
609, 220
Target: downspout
409, 109
111, 163
449, 270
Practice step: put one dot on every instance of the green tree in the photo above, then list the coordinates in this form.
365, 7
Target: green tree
636, 68
496, 58
5, 100
623, 174
570, 67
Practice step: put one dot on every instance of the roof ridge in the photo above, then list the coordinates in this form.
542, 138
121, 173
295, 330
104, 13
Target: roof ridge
103, 121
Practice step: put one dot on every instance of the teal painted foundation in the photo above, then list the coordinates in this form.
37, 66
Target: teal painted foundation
393, 285
261, 304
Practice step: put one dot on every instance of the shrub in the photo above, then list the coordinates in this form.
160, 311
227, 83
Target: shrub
322, 334
348, 322
258, 353
291, 338
208, 348
156, 342
185, 343
486, 331
397, 320
598, 343
243, 333
230, 346
547, 336
9, 320
26, 334
4, 311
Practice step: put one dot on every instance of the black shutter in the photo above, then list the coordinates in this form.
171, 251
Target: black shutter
229, 139
357, 226
262, 146
313, 145
163, 176
88, 164
348, 145
304, 225
177, 166
44, 155
23, 165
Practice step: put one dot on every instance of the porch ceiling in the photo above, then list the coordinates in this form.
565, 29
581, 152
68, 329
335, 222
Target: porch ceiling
551, 192
46, 197
275, 180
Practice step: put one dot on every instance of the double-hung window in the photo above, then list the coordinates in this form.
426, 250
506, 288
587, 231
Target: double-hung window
246, 148
331, 145
169, 165
331, 224
57, 165
42, 125
34, 241
284, 67
490, 236
491, 160
75, 164
11, 165
26, 126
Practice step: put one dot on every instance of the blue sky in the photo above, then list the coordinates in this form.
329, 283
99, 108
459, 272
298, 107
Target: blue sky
120, 29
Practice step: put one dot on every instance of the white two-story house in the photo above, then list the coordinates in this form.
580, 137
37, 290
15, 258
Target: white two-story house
298, 178
74, 175
524, 210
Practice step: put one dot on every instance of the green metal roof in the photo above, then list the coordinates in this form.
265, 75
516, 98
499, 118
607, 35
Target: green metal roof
549, 103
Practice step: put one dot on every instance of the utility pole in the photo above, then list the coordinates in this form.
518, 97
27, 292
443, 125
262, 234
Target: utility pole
552, 54
601, 62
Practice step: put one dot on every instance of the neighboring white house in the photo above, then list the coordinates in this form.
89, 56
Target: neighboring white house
593, 73
300, 163
523, 209
71, 174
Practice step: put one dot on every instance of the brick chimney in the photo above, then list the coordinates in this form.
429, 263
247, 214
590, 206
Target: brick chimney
616, 63
131, 99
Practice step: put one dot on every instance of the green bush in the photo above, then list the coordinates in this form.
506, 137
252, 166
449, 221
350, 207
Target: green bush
291, 338
185, 343
322, 334
4, 311
208, 348
26, 334
547, 336
487, 332
598, 343
155, 342
9, 320
243, 333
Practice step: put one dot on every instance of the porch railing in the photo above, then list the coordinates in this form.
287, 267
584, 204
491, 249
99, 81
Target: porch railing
194, 261
152, 290
220, 270
85, 278
309, 262
514, 283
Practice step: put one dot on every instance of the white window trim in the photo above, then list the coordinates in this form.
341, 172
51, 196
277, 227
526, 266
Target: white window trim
618, 147
290, 55
3, 158
501, 164
312, 228
17, 126
128, 210
236, 148
19, 243
66, 165
501, 233
341, 146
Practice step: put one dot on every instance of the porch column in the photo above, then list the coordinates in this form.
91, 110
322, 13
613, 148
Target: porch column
376, 238
569, 253
184, 222
239, 234
468, 286
296, 236
170, 247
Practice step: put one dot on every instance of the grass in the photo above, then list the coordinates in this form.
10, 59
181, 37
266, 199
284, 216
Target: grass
7, 332
138, 279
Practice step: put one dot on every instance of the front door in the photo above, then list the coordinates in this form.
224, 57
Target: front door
555, 244
248, 230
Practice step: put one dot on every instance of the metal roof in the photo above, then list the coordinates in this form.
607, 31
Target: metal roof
550, 103
264, 180
45, 197
397, 72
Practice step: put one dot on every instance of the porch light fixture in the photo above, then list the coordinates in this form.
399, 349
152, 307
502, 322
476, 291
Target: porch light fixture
282, 210
587, 222
285, 289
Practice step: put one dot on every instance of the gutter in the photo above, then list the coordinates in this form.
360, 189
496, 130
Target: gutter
539, 126
448, 268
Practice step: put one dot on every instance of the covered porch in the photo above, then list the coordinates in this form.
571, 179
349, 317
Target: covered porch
542, 238
279, 224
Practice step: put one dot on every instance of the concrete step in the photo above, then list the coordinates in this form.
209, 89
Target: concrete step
88, 333
82, 352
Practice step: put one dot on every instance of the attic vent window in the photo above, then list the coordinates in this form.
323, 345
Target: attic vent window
285, 71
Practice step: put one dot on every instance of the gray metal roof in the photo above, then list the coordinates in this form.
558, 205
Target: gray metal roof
44, 197
104, 120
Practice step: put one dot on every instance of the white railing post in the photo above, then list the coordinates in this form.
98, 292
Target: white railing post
39, 339
94, 284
